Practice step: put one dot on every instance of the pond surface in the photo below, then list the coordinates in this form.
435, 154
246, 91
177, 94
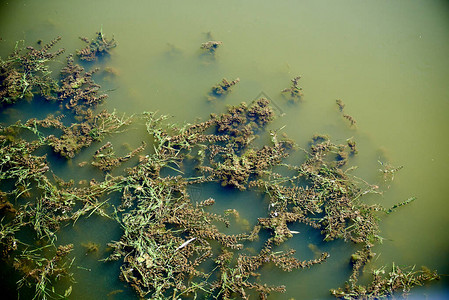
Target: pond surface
387, 60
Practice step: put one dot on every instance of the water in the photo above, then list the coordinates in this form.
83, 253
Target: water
387, 60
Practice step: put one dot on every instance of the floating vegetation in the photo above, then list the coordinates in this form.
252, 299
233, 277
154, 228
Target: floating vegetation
96, 47
294, 92
171, 246
23, 75
222, 88
81, 135
211, 46
383, 284
107, 161
41, 273
77, 88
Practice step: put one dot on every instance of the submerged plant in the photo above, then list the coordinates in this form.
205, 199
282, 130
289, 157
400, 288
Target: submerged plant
41, 273
341, 106
294, 91
386, 284
222, 88
171, 246
77, 89
91, 247
83, 134
107, 161
96, 47
23, 75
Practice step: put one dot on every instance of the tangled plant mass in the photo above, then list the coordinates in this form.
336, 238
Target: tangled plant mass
167, 238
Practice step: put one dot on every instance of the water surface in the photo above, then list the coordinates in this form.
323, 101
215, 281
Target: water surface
387, 60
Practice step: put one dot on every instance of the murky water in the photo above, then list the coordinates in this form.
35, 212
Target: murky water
387, 60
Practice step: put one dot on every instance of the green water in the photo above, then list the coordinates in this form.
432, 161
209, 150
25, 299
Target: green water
387, 60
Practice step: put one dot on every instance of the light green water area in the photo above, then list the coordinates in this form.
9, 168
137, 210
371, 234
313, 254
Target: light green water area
387, 60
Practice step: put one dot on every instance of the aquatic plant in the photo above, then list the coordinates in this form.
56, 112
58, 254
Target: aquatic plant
91, 247
294, 91
77, 89
385, 285
96, 47
8, 241
352, 146
17, 161
41, 272
157, 257
341, 106
222, 88
172, 246
81, 135
211, 46
23, 75
241, 122
107, 161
